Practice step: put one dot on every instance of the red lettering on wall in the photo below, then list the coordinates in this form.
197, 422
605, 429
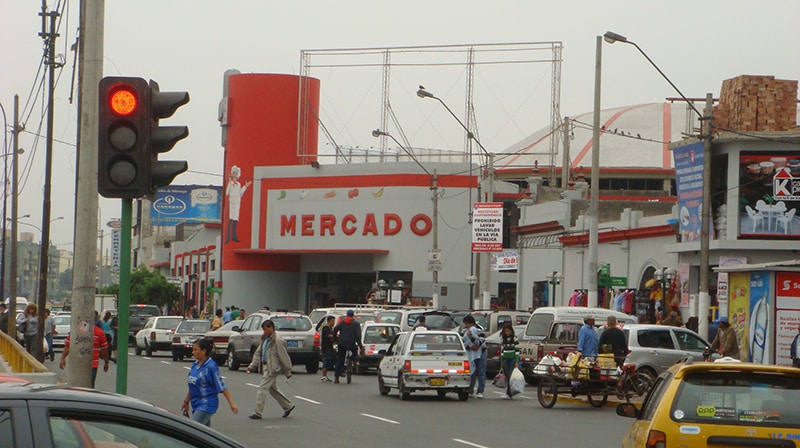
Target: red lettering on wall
392, 224
326, 222
348, 224
426, 222
369, 225
288, 224
307, 225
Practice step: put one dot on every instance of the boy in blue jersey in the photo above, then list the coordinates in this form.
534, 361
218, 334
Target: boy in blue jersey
205, 384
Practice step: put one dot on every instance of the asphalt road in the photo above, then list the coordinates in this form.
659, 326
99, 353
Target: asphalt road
342, 415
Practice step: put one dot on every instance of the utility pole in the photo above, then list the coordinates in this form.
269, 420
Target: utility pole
90, 52
435, 248
12, 271
487, 268
44, 247
705, 223
565, 157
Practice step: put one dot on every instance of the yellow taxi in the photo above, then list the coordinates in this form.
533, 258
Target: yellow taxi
718, 404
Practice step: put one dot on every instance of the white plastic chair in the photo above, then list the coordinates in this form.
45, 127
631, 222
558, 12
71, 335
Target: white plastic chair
755, 217
786, 220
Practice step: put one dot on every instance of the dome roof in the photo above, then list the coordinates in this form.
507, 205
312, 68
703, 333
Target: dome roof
631, 137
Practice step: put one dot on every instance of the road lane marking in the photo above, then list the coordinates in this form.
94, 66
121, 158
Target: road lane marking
381, 419
306, 399
469, 443
145, 357
187, 367
166, 362
252, 385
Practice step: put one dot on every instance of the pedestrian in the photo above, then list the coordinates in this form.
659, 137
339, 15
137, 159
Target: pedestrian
613, 341
587, 338
348, 336
234, 313
49, 331
205, 385
99, 351
326, 345
27, 325
242, 314
216, 322
109, 334
273, 359
226, 316
726, 342
509, 356
3, 317
421, 323
475, 355
794, 352
114, 324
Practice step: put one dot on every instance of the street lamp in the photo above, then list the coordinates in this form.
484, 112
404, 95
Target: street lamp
664, 277
384, 287
422, 93
471, 280
554, 279
705, 207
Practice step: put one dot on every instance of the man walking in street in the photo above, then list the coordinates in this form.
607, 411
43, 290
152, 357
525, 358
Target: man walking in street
326, 344
348, 335
795, 350
49, 331
99, 351
273, 358
475, 355
613, 341
587, 338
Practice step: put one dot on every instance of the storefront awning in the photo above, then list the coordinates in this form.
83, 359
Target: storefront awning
786, 265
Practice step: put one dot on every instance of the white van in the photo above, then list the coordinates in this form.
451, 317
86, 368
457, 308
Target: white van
22, 303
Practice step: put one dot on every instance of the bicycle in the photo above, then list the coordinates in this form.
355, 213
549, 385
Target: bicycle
350, 360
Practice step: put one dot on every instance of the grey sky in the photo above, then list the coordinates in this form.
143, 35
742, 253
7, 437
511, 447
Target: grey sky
188, 44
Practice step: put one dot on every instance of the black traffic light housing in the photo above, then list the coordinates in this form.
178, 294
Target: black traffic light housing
130, 138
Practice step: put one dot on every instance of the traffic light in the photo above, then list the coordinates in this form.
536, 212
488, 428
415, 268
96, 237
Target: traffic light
130, 138
123, 131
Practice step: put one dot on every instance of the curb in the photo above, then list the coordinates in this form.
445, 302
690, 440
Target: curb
585, 402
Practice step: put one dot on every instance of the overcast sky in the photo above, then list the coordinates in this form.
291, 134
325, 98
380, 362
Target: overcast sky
188, 44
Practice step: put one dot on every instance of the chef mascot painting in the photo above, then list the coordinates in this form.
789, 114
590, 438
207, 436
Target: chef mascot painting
234, 192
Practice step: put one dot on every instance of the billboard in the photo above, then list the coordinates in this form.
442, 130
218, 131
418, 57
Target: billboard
487, 227
769, 195
689, 182
177, 204
787, 315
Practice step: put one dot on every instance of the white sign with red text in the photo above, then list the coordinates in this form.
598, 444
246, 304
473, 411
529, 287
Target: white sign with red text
505, 261
787, 314
487, 227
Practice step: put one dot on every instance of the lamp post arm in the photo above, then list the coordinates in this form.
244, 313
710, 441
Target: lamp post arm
667, 79
470, 135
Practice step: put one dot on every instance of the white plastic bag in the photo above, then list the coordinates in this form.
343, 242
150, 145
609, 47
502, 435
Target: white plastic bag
516, 382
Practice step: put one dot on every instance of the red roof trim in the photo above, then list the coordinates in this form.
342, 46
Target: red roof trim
309, 251
619, 235
579, 158
509, 195
542, 227
544, 170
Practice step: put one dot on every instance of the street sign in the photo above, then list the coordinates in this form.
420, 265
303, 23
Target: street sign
213, 290
487, 227
619, 281
435, 260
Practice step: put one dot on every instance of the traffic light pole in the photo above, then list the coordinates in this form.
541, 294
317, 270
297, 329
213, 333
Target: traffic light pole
123, 307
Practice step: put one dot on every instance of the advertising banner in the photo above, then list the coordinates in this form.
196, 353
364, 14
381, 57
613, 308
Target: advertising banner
505, 261
787, 315
177, 204
758, 326
739, 308
689, 182
115, 247
769, 194
683, 282
487, 227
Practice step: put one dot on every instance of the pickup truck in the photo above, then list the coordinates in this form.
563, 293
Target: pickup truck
555, 330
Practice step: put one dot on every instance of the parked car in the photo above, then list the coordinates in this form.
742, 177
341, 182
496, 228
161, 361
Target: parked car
187, 332
62, 322
493, 364
376, 337
655, 348
361, 317
302, 341
493, 320
406, 317
425, 360
76, 417
156, 334
220, 338
718, 404
139, 313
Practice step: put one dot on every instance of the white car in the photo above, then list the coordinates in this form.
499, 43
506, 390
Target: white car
61, 322
425, 360
156, 334
376, 338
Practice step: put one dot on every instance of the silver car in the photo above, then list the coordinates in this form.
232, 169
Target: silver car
302, 341
655, 348
61, 321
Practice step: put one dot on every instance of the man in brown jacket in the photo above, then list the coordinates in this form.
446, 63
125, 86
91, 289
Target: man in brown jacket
726, 341
274, 360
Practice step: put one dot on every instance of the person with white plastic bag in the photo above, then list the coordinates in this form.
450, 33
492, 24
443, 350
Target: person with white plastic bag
509, 357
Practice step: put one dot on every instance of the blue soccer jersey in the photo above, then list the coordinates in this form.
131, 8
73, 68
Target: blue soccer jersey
205, 383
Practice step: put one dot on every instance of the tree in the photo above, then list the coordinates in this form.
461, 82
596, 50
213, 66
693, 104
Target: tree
149, 287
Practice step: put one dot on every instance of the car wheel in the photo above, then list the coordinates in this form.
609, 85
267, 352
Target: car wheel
597, 403
233, 364
649, 372
138, 350
547, 392
405, 394
463, 395
312, 366
148, 350
382, 388
637, 385
442, 393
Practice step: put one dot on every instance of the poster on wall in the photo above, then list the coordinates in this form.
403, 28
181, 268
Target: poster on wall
689, 183
769, 194
739, 307
487, 227
177, 204
787, 315
683, 283
759, 323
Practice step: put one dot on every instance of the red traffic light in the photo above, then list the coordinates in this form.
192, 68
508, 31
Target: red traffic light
123, 100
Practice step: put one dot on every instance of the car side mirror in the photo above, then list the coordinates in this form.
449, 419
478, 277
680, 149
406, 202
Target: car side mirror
382, 352
627, 410
236, 328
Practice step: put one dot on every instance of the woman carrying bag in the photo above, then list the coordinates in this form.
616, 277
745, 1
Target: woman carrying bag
509, 357
27, 325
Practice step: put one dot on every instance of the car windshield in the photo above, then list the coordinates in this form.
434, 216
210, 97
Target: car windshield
62, 320
379, 334
438, 321
168, 323
229, 326
426, 342
538, 325
194, 326
390, 317
316, 315
481, 319
738, 398
140, 311
291, 323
